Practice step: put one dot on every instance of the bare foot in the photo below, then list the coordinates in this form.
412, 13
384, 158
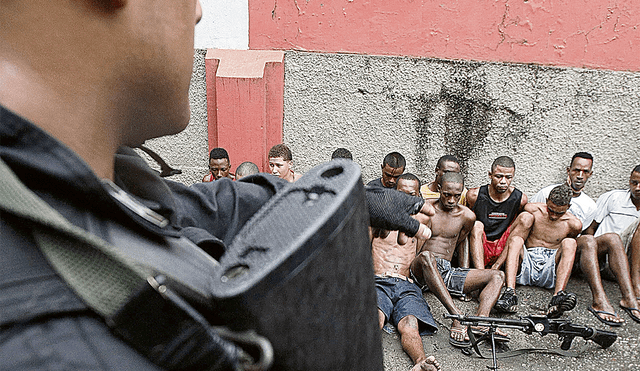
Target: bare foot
606, 314
465, 298
609, 317
428, 364
482, 330
631, 307
458, 336
629, 303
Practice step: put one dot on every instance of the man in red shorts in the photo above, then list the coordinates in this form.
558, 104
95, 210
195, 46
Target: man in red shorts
496, 205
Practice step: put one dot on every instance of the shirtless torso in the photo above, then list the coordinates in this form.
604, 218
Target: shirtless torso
449, 228
539, 229
450, 225
547, 232
391, 257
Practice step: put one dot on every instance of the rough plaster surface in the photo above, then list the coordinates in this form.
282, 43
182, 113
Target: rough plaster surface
188, 150
425, 108
224, 24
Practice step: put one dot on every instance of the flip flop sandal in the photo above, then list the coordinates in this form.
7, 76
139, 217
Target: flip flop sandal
597, 313
630, 312
497, 337
457, 343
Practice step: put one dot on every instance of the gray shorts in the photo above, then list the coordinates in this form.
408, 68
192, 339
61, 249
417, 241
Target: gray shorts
453, 278
538, 268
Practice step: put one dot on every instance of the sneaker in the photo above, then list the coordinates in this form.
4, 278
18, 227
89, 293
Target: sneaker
560, 303
508, 302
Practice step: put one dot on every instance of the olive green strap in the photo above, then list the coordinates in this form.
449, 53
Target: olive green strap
94, 269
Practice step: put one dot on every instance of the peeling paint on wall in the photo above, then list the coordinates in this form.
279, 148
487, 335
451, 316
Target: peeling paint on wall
580, 33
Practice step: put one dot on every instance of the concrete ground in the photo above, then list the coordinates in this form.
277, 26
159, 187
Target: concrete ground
624, 354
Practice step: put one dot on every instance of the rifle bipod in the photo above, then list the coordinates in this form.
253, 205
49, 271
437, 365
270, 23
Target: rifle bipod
490, 337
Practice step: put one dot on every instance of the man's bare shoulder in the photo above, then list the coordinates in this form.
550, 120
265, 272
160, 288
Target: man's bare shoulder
573, 222
432, 201
524, 200
466, 213
472, 196
535, 207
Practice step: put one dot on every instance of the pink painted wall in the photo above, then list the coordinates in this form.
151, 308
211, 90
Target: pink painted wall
245, 91
576, 33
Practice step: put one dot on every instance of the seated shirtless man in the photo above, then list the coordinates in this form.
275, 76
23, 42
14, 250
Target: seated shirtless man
548, 231
432, 267
400, 300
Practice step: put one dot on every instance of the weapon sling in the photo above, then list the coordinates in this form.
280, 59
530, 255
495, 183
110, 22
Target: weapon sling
135, 304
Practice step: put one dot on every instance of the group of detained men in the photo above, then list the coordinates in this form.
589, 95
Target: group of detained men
509, 240
506, 237
280, 165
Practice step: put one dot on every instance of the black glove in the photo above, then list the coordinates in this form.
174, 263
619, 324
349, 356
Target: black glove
391, 209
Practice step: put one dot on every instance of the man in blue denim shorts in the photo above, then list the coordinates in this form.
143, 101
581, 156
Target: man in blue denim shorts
432, 268
400, 300
548, 231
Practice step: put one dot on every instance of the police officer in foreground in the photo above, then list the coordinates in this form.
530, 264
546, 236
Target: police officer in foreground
81, 82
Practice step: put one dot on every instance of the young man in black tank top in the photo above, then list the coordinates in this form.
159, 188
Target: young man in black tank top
496, 205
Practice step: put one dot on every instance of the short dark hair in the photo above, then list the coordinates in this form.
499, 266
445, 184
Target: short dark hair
584, 155
452, 177
342, 153
281, 150
446, 158
504, 161
394, 160
409, 176
561, 195
247, 168
218, 153
636, 169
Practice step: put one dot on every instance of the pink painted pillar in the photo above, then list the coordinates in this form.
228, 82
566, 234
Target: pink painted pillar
245, 101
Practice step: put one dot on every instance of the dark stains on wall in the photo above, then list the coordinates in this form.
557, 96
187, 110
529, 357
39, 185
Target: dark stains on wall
463, 115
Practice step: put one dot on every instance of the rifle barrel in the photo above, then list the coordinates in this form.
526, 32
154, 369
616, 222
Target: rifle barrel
502, 322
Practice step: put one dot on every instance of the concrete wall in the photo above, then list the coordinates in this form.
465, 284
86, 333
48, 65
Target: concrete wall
426, 108
224, 24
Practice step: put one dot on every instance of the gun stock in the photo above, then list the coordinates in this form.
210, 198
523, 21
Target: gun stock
603, 338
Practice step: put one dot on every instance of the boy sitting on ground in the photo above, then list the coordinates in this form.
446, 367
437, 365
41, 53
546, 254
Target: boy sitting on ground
432, 267
548, 231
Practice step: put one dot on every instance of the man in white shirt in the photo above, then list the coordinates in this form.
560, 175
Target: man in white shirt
590, 248
602, 248
578, 172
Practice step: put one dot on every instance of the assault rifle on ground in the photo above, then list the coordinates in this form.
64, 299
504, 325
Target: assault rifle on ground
542, 325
